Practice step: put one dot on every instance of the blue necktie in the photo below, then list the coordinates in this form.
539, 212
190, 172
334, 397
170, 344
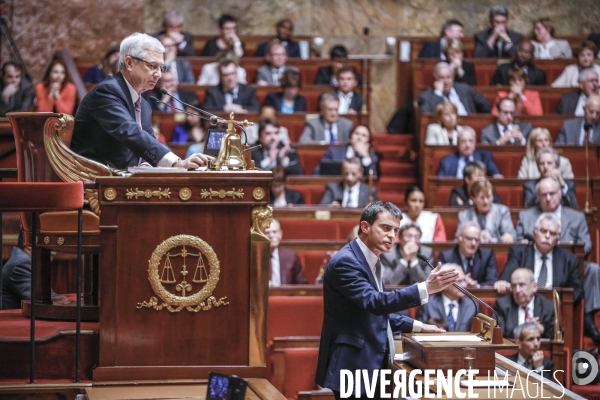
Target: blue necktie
331, 137
450, 319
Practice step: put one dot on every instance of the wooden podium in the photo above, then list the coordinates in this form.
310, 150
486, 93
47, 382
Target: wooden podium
183, 275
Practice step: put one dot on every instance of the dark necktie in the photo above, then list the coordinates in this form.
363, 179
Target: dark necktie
481, 220
171, 105
500, 45
586, 129
331, 137
348, 198
390, 336
543, 277
450, 318
527, 316
137, 106
528, 364
469, 266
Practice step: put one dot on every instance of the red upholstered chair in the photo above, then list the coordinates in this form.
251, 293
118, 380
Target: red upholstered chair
39, 197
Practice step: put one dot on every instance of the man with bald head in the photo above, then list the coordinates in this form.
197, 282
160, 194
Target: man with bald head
521, 60
573, 103
524, 304
466, 100
453, 165
577, 130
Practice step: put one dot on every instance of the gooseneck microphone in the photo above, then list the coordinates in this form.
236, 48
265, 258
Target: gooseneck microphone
465, 291
156, 100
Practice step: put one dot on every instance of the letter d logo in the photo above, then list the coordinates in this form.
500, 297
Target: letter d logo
584, 367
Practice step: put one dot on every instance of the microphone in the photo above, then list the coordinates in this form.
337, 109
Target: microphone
154, 99
465, 291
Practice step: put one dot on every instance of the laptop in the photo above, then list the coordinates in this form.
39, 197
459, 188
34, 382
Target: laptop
331, 167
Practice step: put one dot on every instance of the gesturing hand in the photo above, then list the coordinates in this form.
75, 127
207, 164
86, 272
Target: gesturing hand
439, 279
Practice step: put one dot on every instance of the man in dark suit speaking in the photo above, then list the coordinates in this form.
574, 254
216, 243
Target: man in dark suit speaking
359, 317
112, 125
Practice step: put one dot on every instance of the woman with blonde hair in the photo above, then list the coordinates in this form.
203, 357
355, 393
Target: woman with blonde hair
585, 55
464, 71
445, 131
546, 46
538, 139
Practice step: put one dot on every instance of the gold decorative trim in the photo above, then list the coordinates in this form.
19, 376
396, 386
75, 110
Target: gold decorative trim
148, 193
185, 194
222, 193
201, 300
110, 194
60, 241
262, 216
258, 193
46, 239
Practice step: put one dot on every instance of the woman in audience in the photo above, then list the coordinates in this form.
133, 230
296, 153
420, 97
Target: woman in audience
288, 101
431, 224
280, 195
445, 131
527, 102
209, 75
464, 71
107, 67
538, 139
493, 219
473, 172
55, 93
585, 55
359, 145
546, 46
192, 131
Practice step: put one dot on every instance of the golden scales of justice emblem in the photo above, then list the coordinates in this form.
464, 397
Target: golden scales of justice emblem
187, 294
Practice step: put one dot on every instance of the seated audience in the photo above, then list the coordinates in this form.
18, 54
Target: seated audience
497, 41
401, 265
229, 95
193, 130
284, 28
329, 127
350, 101
546, 46
56, 93
16, 92
157, 133
288, 101
521, 60
285, 264
524, 305
547, 160
527, 102
328, 75
281, 196
181, 69
360, 145
528, 337
227, 40
271, 73
478, 263
453, 165
266, 112
209, 75
464, 71
350, 192
430, 223
595, 38
172, 24
15, 278
505, 131
274, 152
585, 54
107, 67
577, 130
493, 219
450, 305
572, 103
167, 103
452, 29
540, 138
445, 131
466, 100
473, 172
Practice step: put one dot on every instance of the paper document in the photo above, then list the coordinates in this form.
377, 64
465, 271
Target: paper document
447, 338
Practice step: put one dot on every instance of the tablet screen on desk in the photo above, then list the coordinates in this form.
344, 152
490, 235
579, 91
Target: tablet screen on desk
213, 142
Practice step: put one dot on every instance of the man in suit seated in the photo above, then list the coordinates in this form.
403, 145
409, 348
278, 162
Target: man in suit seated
450, 305
473, 172
575, 131
172, 26
329, 128
524, 305
350, 101
401, 265
479, 263
271, 73
548, 163
466, 100
284, 28
16, 278
521, 60
453, 165
452, 29
285, 264
505, 131
530, 356
573, 103
181, 69
280, 195
274, 152
328, 75
350, 192
498, 41
229, 95
16, 92
167, 103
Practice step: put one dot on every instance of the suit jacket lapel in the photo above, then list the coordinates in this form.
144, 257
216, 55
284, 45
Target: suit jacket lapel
557, 267
363, 262
513, 318
125, 88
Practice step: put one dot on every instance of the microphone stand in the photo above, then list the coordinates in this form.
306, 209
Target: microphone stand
586, 207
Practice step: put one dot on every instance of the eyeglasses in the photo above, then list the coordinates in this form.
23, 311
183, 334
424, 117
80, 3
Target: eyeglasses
153, 66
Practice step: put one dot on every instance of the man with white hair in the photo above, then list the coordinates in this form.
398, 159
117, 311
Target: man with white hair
572, 103
453, 164
113, 122
577, 130
172, 26
466, 100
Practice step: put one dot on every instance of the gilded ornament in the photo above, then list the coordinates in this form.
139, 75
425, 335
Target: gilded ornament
258, 193
60, 241
239, 194
148, 193
46, 239
110, 194
262, 216
185, 194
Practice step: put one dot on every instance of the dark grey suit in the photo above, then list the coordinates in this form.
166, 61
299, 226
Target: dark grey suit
568, 103
106, 130
484, 269
184, 72
20, 101
435, 309
356, 102
314, 131
335, 192
547, 366
482, 50
530, 198
474, 102
490, 133
570, 132
16, 280
535, 76
263, 73
508, 314
246, 97
395, 273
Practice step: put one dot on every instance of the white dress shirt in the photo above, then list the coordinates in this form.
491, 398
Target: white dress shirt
275, 268
350, 198
334, 129
453, 98
345, 100
582, 134
447, 303
580, 103
538, 267
545, 51
521, 313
